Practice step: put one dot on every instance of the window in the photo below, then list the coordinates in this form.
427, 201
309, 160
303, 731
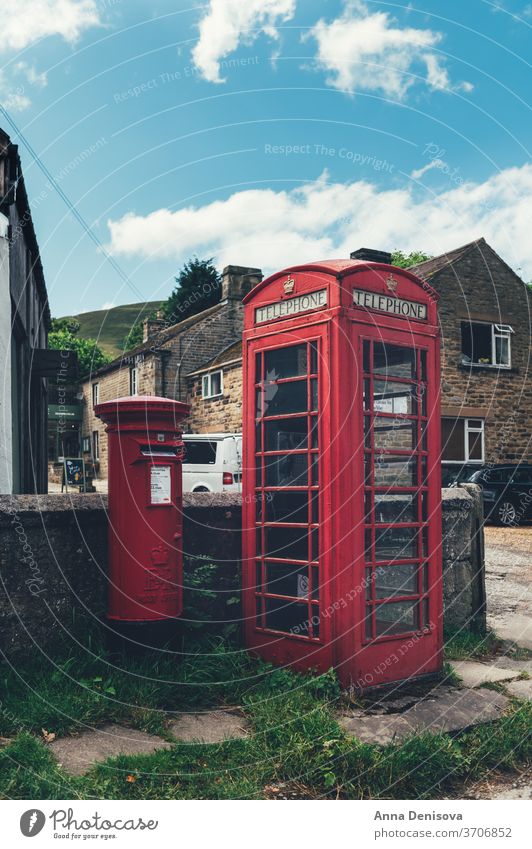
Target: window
212, 384
462, 440
86, 444
200, 452
95, 445
486, 344
134, 381
95, 394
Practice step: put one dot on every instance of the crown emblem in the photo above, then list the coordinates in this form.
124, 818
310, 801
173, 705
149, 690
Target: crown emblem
391, 283
159, 555
288, 285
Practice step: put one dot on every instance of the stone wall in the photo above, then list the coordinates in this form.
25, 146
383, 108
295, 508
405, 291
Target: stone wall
481, 287
53, 555
214, 415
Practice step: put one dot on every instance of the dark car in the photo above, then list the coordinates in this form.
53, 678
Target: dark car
507, 490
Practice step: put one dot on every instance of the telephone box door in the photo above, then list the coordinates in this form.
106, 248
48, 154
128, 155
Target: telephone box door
398, 542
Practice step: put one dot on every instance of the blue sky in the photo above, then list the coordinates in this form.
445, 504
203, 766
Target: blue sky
266, 132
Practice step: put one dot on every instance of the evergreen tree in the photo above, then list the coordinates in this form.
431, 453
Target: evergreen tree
199, 286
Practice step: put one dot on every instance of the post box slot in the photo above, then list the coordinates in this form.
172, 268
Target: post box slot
158, 451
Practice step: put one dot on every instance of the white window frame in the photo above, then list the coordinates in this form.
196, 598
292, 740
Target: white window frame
206, 384
95, 394
498, 331
95, 445
467, 430
86, 445
134, 381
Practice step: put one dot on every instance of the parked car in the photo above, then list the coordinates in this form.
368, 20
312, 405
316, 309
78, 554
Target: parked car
212, 462
507, 490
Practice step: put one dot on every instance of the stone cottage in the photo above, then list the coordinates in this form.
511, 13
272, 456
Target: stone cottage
485, 319
160, 365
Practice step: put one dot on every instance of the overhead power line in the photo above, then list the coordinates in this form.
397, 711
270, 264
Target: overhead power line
77, 215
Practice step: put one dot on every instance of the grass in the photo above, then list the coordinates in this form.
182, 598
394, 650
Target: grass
295, 741
466, 645
110, 327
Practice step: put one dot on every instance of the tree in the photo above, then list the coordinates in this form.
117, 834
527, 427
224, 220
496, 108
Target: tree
402, 260
198, 287
63, 337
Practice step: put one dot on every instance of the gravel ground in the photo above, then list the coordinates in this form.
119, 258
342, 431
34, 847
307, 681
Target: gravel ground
509, 582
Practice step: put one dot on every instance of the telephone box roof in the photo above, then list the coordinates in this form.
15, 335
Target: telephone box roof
340, 268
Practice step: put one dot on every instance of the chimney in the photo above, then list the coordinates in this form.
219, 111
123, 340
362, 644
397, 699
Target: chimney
238, 280
152, 326
369, 255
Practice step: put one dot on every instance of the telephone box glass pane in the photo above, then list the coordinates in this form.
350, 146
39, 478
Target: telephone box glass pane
286, 470
396, 617
287, 579
396, 580
289, 507
394, 434
287, 616
396, 507
286, 543
389, 397
282, 398
395, 543
286, 434
392, 470
394, 361
285, 362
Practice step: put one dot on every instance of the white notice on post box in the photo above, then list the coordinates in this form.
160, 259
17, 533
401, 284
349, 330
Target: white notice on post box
160, 486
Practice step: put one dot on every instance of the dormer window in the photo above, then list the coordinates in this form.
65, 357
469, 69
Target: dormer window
485, 344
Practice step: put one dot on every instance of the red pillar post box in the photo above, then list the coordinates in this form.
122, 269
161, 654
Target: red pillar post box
145, 515
342, 492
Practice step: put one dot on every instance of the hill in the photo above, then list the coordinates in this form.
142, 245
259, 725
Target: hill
110, 327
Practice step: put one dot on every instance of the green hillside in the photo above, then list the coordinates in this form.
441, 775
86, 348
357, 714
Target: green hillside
110, 327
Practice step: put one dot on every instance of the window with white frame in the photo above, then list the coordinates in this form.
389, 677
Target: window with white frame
462, 440
95, 445
212, 384
86, 445
95, 394
134, 381
485, 344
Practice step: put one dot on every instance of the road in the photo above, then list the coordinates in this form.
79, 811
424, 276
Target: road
509, 582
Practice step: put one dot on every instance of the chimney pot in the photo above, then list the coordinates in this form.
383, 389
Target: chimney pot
238, 280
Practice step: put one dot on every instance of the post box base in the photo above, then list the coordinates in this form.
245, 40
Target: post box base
138, 638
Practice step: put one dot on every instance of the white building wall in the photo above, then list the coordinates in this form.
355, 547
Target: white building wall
6, 427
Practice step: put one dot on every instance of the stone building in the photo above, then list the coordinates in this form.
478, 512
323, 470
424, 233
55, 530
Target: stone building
160, 365
24, 324
485, 319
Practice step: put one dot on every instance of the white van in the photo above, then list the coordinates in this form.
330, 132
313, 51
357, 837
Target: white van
212, 462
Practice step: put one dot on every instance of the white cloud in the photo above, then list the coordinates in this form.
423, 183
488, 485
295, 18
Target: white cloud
229, 22
262, 227
108, 305
368, 51
434, 163
31, 74
35, 19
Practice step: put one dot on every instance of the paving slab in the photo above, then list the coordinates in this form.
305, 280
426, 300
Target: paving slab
213, 726
474, 673
520, 689
77, 754
444, 710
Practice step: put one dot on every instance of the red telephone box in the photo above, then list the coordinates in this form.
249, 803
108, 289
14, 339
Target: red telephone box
342, 492
145, 513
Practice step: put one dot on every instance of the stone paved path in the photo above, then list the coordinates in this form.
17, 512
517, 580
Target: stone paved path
77, 754
473, 673
443, 710
209, 727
